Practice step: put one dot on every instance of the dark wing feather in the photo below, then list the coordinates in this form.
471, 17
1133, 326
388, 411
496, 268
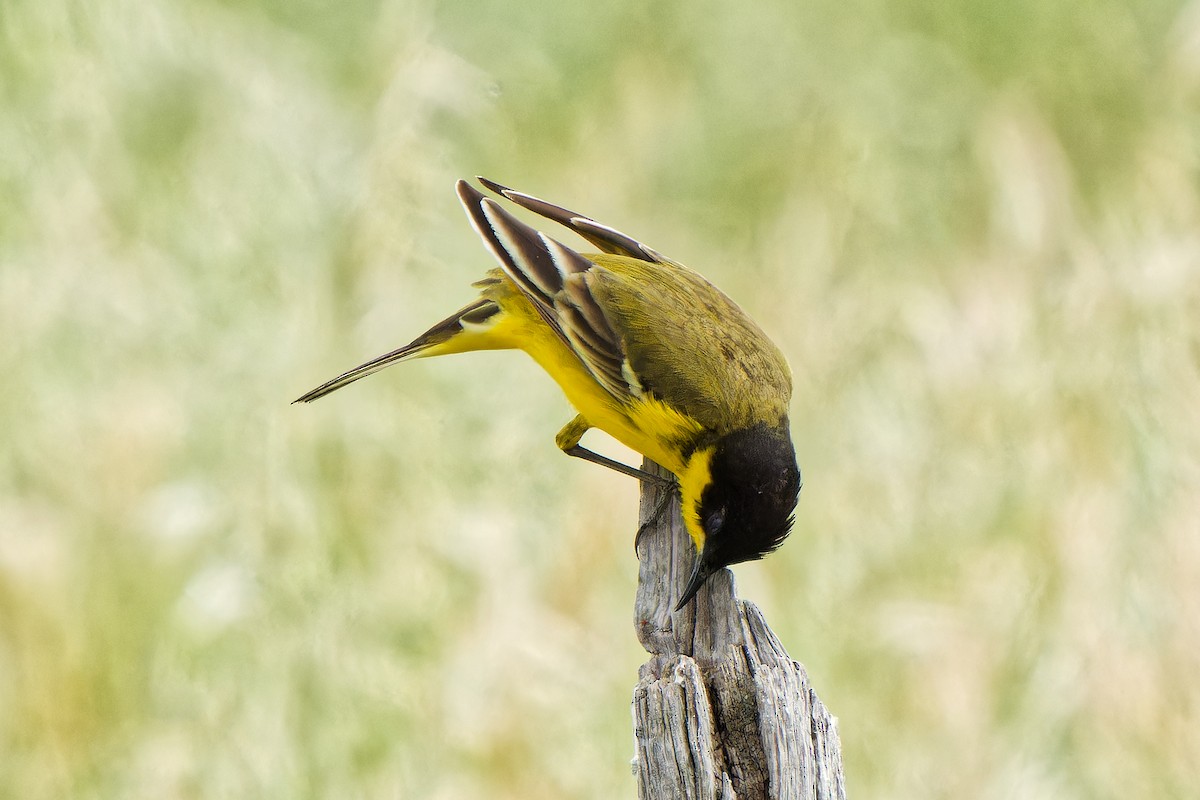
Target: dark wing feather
691, 346
607, 239
555, 279
640, 322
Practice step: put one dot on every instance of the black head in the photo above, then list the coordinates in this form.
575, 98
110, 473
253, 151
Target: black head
746, 509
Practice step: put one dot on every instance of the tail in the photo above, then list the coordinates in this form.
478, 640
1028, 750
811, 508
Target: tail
478, 313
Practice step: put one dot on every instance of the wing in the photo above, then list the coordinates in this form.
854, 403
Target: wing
691, 346
554, 278
640, 322
609, 240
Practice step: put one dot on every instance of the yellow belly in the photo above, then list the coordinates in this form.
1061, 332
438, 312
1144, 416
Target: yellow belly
643, 424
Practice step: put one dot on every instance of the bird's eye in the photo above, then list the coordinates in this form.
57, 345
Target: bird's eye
715, 520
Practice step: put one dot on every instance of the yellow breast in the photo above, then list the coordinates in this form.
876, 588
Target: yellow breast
643, 424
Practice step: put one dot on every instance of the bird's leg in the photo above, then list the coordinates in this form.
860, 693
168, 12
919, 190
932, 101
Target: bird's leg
664, 500
633, 472
568, 441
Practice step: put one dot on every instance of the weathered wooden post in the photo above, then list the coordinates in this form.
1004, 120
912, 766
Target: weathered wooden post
720, 709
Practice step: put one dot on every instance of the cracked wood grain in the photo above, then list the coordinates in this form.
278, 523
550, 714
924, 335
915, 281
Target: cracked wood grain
721, 711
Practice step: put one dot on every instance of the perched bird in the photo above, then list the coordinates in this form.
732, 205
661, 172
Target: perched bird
646, 350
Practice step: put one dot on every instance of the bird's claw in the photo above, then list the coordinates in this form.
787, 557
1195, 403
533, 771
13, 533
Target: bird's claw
669, 489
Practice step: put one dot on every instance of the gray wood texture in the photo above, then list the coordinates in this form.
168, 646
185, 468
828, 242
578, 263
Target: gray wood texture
720, 710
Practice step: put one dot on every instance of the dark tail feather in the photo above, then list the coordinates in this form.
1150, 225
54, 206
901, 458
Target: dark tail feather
476, 313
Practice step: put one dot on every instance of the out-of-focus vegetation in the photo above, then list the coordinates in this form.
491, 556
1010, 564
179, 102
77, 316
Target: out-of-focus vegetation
973, 227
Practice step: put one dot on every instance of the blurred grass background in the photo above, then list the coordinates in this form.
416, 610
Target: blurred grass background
973, 227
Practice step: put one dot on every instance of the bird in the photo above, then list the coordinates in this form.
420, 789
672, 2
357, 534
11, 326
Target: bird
644, 349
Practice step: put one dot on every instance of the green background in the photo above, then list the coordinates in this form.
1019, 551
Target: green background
973, 227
